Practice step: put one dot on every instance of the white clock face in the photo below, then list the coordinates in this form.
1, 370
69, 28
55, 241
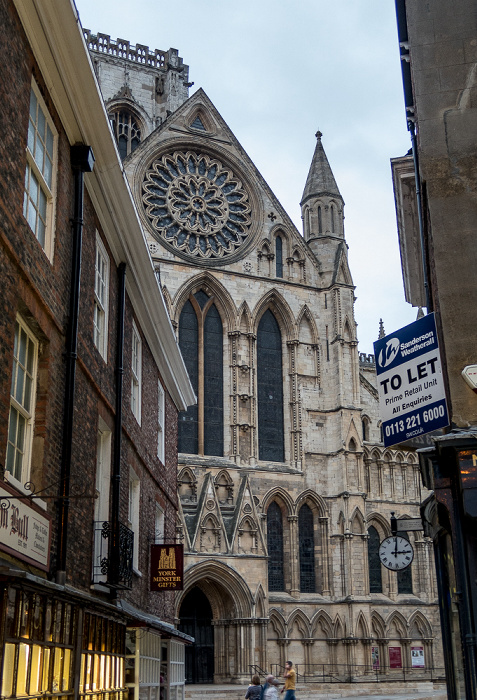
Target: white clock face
396, 553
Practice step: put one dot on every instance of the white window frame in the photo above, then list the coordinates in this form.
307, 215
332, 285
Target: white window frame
101, 298
102, 489
136, 373
133, 514
161, 415
22, 406
41, 172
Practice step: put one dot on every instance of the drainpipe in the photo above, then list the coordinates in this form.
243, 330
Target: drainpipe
82, 161
420, 215
114, 554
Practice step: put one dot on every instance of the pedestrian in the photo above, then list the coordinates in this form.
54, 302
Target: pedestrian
271, 692
254, 690
290, 681
265, 685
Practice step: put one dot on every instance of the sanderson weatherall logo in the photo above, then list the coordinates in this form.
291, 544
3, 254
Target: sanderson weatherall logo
411, 388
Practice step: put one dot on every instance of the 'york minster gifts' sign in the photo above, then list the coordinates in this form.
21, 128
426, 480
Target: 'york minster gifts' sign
167, 567
25, 530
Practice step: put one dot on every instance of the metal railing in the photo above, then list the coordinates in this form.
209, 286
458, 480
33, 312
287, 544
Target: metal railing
354, 673
113, 567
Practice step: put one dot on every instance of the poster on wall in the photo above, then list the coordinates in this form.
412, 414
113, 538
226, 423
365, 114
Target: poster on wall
167, 567
417, 657
375, 657
395, 658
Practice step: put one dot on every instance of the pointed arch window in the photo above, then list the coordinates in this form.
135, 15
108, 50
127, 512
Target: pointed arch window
279, 256
270, 389
320, 221
404, 577
276, 579
127, 130
201, 427
307, 549
374, 564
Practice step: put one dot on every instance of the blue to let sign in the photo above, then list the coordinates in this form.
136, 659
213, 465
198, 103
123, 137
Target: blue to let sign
410, 384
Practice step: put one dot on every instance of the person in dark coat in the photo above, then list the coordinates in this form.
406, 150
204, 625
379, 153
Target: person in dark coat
254, 690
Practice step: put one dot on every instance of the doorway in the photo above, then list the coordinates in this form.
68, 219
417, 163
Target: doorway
196, 620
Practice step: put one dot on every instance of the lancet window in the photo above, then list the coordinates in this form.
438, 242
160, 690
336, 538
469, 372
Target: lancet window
307, 549
276, 580
374, 564
270, 389
127, 131
279, 256
201, 427
404, 577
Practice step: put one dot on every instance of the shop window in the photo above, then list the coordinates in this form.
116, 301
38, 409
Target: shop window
374, 564
40, 175
39, 636
307, 549
22, 403
201, 427
276, 580
270, 389
101, 298
102, 659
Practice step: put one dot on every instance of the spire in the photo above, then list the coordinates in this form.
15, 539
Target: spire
320, 180
382, 332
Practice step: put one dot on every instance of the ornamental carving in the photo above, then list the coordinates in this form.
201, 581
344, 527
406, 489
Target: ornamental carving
196, 205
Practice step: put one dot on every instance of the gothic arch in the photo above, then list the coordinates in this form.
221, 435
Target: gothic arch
277, 621
260, 598
339, 628
398, 621
187, 485
209, 284
223, 482
379, 522
167, 299
420, 624
377, 625
244, 318
224, 587
362, 626
204, 117
348, 333
324, 621
122, 103
306, 313
282, 497
314, 500
274, 301
358, 522
300, 619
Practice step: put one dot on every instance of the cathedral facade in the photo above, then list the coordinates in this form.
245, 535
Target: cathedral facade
285, 487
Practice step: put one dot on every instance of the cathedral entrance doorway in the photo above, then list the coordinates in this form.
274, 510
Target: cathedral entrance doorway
196, 620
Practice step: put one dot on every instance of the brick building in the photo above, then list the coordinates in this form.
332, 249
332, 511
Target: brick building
285, 487
91, 382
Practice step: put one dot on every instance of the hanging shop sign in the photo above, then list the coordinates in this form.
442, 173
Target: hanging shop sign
25, 530
167, 567
411, 388
395, 658
417, 657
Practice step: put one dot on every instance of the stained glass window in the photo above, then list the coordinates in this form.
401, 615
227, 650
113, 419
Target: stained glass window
307, 550
201, 319
404, 577
275, 548
270, 389
374, 564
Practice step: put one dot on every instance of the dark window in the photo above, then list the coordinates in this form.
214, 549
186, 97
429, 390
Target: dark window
279, 256
374, 564
275, 548
127, 131
270, 389
320, 221
332, 219
200, 318
365, 424
189, 345
307, 550
404, 577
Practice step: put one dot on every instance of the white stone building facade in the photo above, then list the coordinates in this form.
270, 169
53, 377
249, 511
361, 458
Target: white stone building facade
285, 487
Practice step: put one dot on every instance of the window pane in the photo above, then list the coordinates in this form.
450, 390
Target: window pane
213, 384
270, 389
188, 343
307, 550
275, 548
374, 563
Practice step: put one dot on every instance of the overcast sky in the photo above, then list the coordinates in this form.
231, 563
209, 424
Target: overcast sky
279, 71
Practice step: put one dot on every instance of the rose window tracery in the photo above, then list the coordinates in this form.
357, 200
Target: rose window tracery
196, 205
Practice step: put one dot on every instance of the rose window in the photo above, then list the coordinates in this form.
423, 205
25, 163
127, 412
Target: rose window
196, 205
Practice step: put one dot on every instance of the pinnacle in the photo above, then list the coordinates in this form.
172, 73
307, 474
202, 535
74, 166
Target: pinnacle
320, 180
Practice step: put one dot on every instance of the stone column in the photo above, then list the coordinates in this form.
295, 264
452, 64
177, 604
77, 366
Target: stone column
294, 560
295, 406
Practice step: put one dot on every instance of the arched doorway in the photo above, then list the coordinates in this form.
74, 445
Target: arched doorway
196, 620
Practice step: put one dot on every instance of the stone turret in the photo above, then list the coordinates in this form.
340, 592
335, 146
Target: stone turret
322, 213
